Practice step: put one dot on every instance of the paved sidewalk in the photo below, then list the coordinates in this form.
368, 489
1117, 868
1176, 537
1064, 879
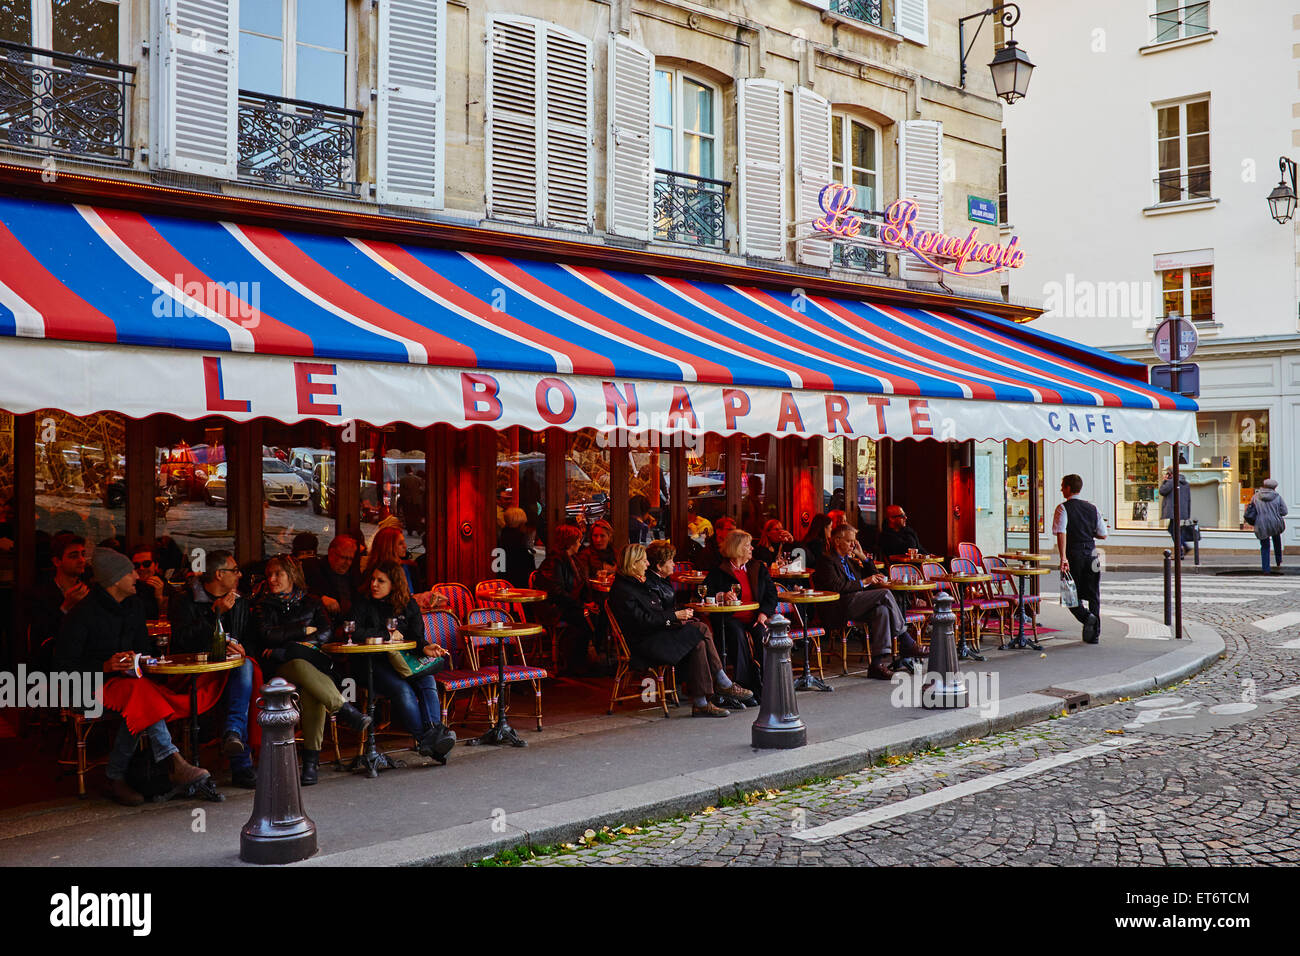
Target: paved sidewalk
621, 769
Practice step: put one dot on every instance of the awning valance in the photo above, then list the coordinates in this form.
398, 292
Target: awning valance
115, 310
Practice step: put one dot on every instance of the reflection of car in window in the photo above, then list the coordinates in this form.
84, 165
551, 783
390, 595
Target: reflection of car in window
280, 484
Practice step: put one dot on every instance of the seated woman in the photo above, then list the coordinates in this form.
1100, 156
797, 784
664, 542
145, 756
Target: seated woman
656, 634
564, 579
291, 625
384, 595
738, 568
817, 541
774, 540
662, 556
389, 544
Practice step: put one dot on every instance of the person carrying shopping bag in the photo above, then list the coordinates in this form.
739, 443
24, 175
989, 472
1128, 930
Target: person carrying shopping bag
1266, 513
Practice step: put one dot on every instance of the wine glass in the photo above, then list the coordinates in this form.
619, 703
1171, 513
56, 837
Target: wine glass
349, 628
393, 624
163, 639
735, 593
701, 590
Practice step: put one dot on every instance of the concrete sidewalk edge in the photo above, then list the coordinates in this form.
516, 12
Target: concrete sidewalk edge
690, 793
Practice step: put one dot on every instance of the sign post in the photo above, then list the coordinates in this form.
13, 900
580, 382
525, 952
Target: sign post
1175, 342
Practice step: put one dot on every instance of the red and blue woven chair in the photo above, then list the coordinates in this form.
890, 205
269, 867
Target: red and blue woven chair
514, 673
982, 604
443, 627
917, 614
459, 600
814, 634
1005, 586
664, 676
970, 552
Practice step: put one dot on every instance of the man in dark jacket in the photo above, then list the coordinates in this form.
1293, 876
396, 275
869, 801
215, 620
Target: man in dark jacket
212, 596
103, 634
334, 580
845, 570
898, 537
1184, 507
564, 579
149, 587
1077, 526
59, 591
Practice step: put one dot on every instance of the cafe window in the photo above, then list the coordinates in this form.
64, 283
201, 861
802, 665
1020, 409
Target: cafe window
587, 480
706, 479
520, 488
833, 497
990, 497
1223, 472
292, 503
6, 464
81, 474
192, 488
1188, 292
757, 488
1018, 490
394, 480
867, 450
648, 488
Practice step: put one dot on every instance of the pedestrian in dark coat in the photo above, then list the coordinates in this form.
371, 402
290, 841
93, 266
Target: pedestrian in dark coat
1267, 518
1184, 507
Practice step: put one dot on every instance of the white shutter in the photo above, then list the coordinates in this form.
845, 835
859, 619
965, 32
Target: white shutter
629, 200
812, 170
760, 110
197, 96
566, 133
411, 116
513, 106
912, 19
921, 162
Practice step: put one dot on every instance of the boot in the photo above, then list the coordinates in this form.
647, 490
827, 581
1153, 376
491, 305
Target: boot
436, 742
353, 719
310, 767
181, 773
122, 792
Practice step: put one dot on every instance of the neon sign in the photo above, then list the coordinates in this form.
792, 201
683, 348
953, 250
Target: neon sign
899, 230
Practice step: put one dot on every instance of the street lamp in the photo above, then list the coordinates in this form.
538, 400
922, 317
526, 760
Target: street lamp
1281, 201
1011, 68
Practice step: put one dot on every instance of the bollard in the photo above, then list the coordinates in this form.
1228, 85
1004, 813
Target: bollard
944, 688
278, 831
1196, 542
778, 725
1169, 587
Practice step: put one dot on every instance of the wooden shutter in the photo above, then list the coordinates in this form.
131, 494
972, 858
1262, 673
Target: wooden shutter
912, 19
921, 163
411, 115
566, 133
812, 170
630, 145
760, 110
197, 95
513, 110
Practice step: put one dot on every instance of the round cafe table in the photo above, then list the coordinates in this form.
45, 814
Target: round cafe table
962, 582
371, 760
1019, 642
191, 666
601, 585
905, 590
517, 596
1027, 557
788, 575
806, 680
501, 731
917, 561
720, 612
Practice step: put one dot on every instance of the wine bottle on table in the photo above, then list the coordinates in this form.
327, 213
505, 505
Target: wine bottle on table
217, 650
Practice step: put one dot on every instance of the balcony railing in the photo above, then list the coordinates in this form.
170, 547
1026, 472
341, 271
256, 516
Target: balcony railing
868, 11
60, 104
1189, 21
1179, 187
298, 145
690, 209
860, 257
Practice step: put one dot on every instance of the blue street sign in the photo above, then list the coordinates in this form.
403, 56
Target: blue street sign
1189, 378
981, 210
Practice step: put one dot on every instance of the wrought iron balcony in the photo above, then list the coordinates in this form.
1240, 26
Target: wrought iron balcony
690, 209
860, 257
1178, 24
58, 104
298, 145
868, 11
1179, 187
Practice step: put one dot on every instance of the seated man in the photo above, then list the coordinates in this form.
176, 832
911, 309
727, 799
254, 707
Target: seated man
104, 633
847, 571
210, 596
334, 580
57, 593
149, 587
898, 537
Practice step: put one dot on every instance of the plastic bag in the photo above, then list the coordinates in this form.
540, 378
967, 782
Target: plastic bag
1069, 590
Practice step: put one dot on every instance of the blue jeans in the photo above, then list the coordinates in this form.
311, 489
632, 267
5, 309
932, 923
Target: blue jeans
237, 696
415, 699
1263, 551
160, 742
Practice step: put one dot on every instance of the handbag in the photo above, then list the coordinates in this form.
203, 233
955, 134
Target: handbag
1069, 590
1251, 515
414, 663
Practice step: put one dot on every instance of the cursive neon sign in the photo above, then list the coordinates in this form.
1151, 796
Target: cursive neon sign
899, 230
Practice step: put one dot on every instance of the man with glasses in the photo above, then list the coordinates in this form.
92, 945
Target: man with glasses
334, 580
149, 587
211, 595
898, 537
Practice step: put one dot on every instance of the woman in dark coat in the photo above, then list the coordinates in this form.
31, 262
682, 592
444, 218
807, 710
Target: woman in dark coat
289, 626
817, 540
743, 629
564, 579
656, 634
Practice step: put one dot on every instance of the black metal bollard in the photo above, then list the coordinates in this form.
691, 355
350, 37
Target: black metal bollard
278, 831
943, 688
1169, 587
778, 725
1196, 542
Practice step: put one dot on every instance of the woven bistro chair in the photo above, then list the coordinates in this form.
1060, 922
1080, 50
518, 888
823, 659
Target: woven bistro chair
459, 600
443, 627
970, 552
519, 612
1005, 586
795, 614
664, 675
514, 673
917, 615
982, 603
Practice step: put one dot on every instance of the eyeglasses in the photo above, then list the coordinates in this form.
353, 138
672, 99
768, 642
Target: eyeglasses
234, 571
141, 564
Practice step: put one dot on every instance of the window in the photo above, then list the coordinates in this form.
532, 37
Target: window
1183, 151
1223, 471
89, 28
192, 489
1003, 218
1017, 491
1188, 292
81, 474
1176, 20
295, 49
689, 200
855, 158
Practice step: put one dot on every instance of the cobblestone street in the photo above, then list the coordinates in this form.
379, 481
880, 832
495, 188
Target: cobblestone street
1205, 772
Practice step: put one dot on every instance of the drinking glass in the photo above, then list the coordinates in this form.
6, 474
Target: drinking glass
393, 624
700, 589
349, 628
735, 591
163, 639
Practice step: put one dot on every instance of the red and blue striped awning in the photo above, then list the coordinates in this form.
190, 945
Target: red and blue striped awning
358, 312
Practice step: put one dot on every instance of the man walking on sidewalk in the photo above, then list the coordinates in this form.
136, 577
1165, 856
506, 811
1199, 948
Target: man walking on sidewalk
1076, 525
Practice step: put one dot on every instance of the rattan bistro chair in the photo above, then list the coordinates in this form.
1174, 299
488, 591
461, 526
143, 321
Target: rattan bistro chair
664, 676
513, 673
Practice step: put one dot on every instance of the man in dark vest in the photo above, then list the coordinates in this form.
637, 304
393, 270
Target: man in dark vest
1076, 525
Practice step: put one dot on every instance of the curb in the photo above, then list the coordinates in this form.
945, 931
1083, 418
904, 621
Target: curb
690, 793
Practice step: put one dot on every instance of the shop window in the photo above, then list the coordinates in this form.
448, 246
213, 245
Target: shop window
8, 530
759, 493
990, 497
587, 480
521, 505
706, 480
1018, 490
394, 482
648, 492
1223, 471
192, 491
81, 475
296, 461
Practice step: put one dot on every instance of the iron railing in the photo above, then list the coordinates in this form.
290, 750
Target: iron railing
690, 209
861, 257
1189, 21
868, 11
298, 145
60, 104
1176, 187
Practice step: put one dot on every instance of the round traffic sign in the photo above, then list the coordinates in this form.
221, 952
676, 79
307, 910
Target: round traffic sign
1175, 340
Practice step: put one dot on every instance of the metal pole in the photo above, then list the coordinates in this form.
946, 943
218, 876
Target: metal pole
1177, 495
1196, 541
1169, 584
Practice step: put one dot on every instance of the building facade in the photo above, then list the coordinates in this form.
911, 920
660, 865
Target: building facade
1144, 192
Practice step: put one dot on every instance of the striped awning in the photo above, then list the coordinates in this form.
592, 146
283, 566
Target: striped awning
106, 309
